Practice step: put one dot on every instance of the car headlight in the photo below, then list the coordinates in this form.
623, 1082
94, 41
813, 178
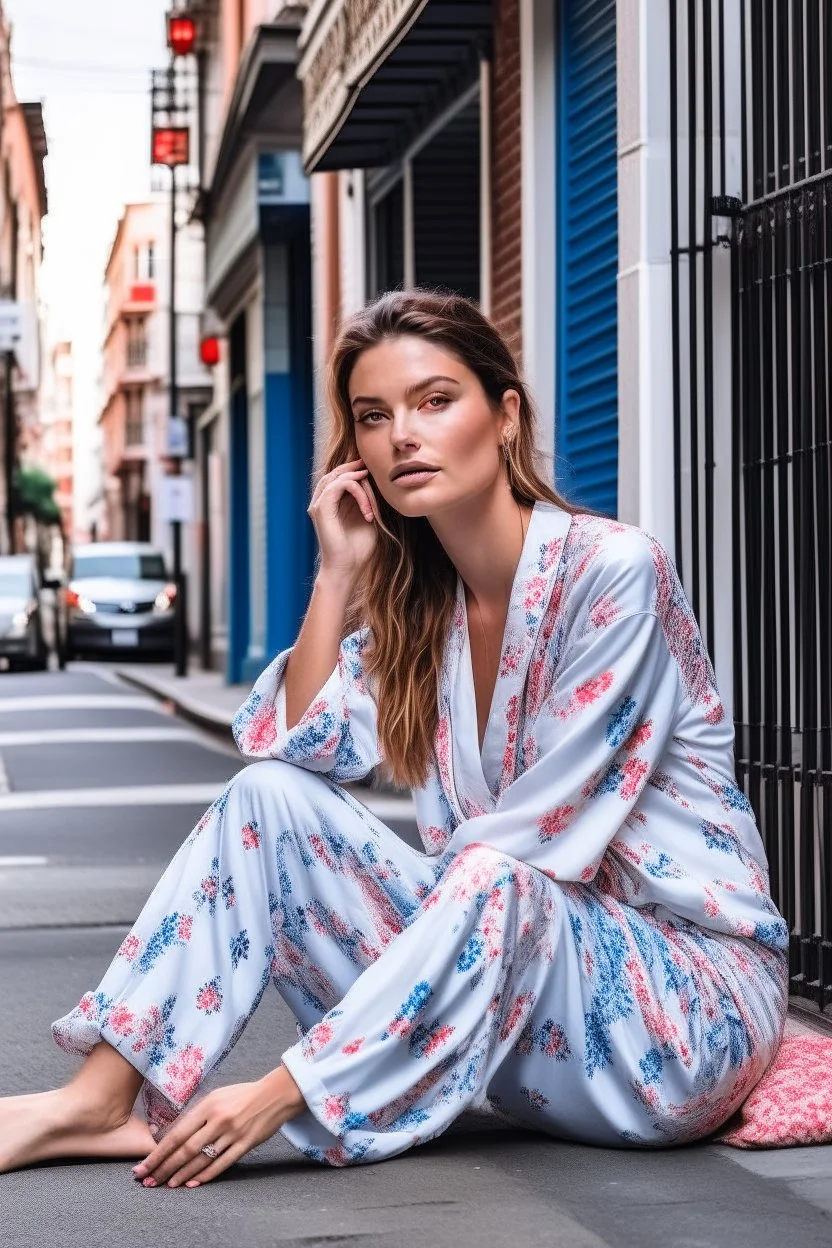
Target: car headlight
19, 624
79, 602
165, 599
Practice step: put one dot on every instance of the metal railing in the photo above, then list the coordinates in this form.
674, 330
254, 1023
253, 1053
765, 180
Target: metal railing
137, 353
755, 271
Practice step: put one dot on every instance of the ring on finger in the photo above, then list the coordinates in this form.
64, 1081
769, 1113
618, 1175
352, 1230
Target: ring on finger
210, 1150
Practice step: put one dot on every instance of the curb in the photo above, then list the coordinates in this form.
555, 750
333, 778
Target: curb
197, 712
220, 724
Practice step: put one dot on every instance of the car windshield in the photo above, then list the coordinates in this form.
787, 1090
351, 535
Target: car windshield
125, 567
15, 584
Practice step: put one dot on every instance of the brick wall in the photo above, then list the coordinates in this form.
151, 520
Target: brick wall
506, 279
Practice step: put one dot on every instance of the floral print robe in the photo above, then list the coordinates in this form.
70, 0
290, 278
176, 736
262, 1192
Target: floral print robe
587, 945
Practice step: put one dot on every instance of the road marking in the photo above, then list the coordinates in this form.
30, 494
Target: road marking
128, 795
77, 702
97, 736
23, 862
4, 779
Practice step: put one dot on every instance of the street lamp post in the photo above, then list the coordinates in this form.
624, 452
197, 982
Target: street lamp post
171, 147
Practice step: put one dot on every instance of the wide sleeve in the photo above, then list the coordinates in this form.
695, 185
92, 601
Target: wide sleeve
596, 742
337, 734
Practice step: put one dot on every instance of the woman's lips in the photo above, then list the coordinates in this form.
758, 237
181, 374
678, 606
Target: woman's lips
416, 477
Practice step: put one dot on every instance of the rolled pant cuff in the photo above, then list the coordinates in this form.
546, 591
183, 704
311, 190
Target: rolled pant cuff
310, 1132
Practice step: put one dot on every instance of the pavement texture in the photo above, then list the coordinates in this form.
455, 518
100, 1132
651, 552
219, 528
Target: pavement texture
72, 879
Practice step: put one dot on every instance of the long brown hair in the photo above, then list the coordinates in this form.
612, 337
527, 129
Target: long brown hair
407, 592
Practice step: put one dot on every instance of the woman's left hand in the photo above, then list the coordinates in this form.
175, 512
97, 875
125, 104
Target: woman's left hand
234, 1119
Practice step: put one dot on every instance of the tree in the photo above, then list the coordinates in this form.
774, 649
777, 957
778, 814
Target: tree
34, 492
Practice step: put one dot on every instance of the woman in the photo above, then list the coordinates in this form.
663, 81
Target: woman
588, 943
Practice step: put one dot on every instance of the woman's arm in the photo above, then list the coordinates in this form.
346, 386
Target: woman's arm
311, 706
315, 653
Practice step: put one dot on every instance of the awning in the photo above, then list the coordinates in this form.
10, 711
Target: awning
374, 74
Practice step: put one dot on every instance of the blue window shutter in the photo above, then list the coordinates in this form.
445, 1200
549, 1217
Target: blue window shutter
586, 416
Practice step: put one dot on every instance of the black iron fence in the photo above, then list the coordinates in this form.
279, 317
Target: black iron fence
751, 266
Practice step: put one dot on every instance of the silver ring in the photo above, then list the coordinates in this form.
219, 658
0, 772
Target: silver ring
210, 1151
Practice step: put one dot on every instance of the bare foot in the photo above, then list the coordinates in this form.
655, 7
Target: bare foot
38, 1128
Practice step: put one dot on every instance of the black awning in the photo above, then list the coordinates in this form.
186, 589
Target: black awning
400, 94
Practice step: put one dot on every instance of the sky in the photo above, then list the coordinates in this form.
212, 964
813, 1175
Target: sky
89, 64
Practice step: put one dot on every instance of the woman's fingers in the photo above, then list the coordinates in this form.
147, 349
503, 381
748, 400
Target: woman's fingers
335, 482
355, 488
354, 465
371, 494
182, 1130
225, 1159
199, 1161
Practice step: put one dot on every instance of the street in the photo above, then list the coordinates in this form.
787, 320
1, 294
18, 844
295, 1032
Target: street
99, 784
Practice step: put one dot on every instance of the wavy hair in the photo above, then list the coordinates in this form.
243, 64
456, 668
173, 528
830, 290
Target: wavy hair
407, 591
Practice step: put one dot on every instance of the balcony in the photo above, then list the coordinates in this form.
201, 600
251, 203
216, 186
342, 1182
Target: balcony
137, 353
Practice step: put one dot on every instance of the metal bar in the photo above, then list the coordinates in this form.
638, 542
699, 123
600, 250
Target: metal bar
693, 359
814, 115
783, 135
798, 101
827, 84
674, 285
721, 79
781, 598
708, 317
769, 94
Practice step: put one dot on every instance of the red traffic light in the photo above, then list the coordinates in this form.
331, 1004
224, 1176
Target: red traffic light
209, 351
181, 34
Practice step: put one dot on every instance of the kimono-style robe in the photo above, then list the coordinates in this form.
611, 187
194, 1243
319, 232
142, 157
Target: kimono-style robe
587, 945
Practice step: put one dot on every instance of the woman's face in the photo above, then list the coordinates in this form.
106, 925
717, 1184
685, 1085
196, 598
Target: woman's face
414, 403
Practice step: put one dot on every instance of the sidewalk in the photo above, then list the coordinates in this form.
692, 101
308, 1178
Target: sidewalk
206, 700
202, 697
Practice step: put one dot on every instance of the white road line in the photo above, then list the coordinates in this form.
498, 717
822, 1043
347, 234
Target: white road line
128, 795
77, 702
97, 736
23, 862
4, 779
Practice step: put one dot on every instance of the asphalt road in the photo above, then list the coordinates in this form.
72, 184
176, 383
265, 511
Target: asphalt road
98, 787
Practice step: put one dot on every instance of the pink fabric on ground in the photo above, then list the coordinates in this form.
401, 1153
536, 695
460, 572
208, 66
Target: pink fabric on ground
792, 1103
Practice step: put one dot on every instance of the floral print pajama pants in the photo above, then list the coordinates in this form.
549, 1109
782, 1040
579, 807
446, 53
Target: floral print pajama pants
423, 985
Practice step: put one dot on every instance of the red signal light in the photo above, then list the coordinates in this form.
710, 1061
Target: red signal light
209, 351
181, 34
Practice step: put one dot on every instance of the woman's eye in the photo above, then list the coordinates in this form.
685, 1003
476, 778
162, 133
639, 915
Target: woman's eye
437, 398
367, 418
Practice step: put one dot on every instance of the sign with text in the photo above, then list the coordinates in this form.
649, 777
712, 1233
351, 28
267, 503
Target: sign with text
171, 146
11, 324
176, 499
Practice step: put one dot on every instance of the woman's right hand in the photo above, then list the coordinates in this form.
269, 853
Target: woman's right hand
344, 512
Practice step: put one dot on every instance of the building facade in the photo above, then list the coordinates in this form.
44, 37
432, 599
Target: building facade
56, 454
135, 380
254, 441
22, 209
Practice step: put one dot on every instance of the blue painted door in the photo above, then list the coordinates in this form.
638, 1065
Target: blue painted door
586, 415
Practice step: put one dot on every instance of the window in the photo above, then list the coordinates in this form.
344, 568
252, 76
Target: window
388, 236
144, 262
431, 214
136, 341
129, 567
134, 423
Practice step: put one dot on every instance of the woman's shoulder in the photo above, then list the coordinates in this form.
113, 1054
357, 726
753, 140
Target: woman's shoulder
622, 568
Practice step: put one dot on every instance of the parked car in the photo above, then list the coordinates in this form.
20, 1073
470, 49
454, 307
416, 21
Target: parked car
120, 598
23, 640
